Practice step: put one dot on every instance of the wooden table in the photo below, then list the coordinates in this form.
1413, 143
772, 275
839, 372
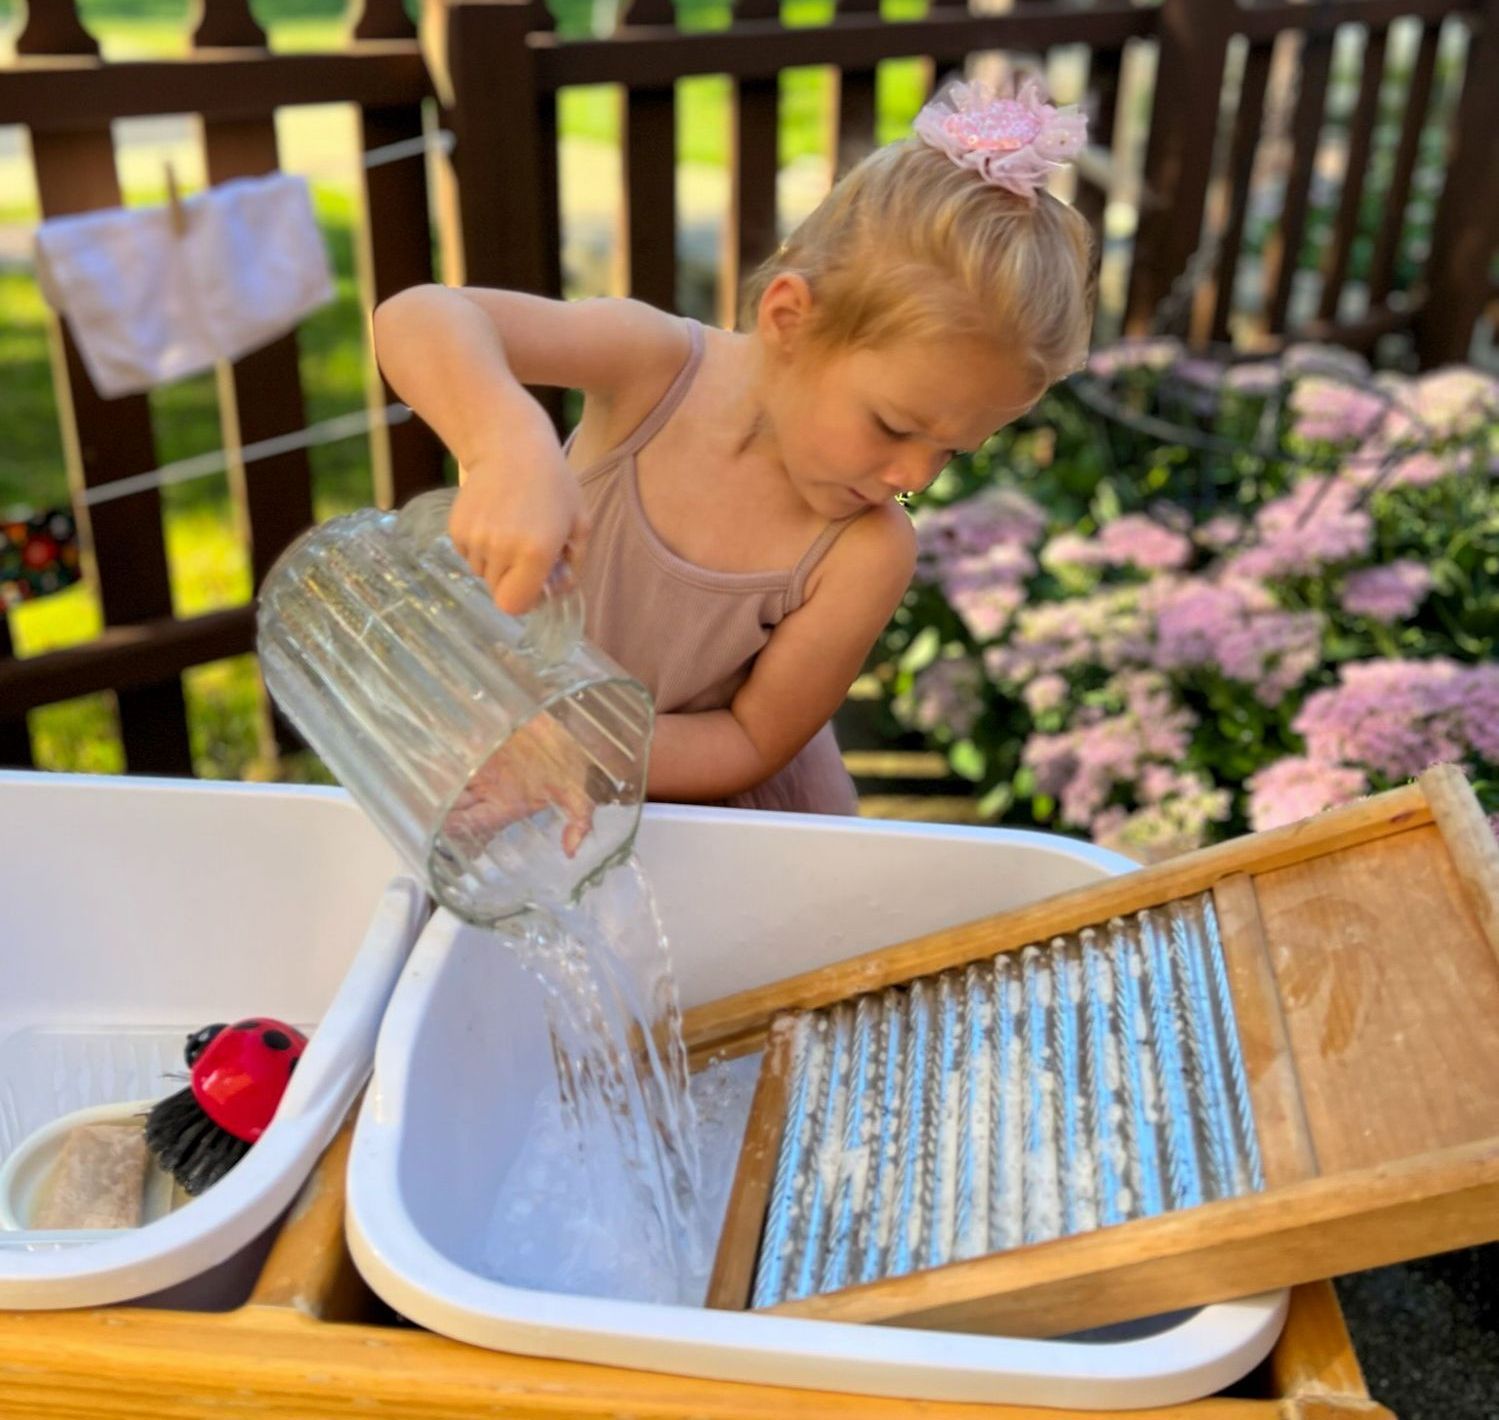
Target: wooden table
305, 1347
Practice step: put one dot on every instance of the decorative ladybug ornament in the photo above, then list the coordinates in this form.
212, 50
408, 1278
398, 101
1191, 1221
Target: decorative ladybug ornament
239, 1074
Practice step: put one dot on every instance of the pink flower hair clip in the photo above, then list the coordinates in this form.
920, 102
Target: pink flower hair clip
1011, 142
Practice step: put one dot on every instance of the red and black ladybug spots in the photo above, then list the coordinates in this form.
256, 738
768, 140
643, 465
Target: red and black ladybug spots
239, 1077
239, 1074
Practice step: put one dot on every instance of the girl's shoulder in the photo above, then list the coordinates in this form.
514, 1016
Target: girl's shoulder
630, 340
605, 346
626, 346
872, 560
638, 354
884, 533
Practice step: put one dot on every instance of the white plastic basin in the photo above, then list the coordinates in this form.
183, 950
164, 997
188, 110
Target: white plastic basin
746, 898
137, 910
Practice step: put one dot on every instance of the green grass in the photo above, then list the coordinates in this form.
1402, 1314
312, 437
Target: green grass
31, 465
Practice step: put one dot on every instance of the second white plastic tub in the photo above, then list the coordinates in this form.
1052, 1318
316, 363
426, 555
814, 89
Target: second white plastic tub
746, 898
138, 910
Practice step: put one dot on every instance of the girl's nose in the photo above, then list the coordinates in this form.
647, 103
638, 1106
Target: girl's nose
913, 470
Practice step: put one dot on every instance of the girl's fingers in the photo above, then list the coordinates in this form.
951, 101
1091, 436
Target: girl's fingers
579, 825
577, 541
519, 587
485, 562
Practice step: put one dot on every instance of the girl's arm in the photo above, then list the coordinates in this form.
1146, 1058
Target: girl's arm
461, 359
799, 679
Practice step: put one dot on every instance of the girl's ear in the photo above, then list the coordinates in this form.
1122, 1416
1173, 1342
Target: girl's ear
784, 311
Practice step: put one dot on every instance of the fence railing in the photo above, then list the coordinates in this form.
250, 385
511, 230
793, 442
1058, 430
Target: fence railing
1451, 282
498, 68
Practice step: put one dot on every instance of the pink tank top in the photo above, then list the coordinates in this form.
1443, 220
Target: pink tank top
688, 633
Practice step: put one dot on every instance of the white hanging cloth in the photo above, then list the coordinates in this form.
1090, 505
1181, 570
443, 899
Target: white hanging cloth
152, 294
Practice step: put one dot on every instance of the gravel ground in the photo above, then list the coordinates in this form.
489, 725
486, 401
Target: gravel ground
1427, 1335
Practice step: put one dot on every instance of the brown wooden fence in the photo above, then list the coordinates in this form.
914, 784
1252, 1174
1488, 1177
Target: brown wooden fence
499, 67
67, 97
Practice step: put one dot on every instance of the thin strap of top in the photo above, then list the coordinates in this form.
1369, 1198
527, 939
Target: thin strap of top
664, 408
796, 588
656, 420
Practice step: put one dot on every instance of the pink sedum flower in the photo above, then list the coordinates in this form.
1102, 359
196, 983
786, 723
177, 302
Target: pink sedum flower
1221, 531
999, 517
1176, 817
1111, 628
1070, 549
1455, 401
987, 610
1004, 563
1141, 542
1152, 353
1395, 718
1084, 765
1315, 526
947, 695
1329, 411
1295, 788
1388, 593
1254, 378
1046, 692
1481, 712
1234, 626
1308, 357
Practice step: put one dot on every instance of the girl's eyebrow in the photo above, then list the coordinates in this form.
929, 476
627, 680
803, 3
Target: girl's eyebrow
906, 417
957, 445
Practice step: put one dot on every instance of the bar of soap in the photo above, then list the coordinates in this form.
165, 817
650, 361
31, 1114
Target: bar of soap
98, 1180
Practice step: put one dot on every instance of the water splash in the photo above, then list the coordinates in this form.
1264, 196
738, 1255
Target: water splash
607, 1196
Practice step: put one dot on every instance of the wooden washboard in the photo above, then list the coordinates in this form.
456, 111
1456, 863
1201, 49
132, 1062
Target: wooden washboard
1361, 952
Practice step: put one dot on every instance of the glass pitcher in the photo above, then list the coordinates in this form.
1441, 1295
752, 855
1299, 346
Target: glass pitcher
504, 757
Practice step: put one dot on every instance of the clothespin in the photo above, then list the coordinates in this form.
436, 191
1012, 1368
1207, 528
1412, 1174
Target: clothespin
174, 202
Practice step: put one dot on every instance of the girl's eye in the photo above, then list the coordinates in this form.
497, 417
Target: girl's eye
887, 431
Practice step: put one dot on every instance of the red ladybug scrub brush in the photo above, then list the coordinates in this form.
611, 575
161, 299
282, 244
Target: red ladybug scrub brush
239, 1074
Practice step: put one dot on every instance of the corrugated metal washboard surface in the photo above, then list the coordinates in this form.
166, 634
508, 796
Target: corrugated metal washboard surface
1037, 1094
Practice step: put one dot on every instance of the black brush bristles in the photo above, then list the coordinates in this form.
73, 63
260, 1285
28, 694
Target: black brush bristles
189, 1145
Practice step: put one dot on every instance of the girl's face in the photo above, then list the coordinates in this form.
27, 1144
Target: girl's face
856, 429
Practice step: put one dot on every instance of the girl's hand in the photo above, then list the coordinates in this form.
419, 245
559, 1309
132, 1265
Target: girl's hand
462, 360
540, 766
517, 514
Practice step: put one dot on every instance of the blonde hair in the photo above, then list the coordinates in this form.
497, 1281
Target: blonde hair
909, 246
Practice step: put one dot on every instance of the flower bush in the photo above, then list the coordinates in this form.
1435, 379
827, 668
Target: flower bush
1190, 599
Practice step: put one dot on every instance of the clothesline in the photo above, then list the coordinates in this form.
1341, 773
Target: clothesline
327, 431
439, 142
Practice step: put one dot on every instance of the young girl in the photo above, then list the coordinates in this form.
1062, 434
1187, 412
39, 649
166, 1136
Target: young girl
729, 498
